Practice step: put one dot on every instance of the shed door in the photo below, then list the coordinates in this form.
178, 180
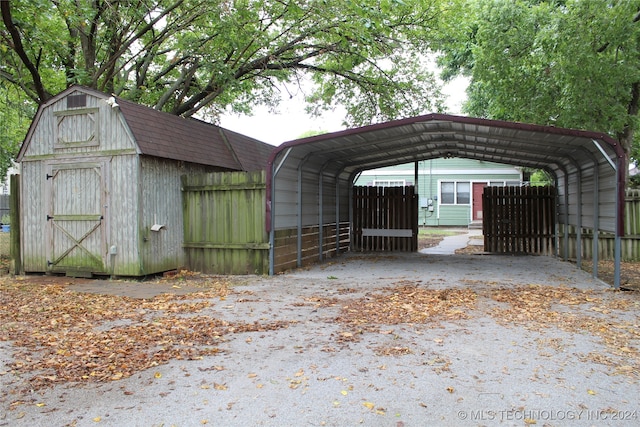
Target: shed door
75, 220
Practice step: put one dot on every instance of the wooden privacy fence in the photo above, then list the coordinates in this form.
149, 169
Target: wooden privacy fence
224, 223
385, 219
519, 219
630, 241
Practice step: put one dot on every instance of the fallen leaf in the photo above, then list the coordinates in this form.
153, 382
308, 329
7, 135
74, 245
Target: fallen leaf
344, 392
219, 386
369, 405
529, 421
97, 419
157, 375
450, 389
591, 392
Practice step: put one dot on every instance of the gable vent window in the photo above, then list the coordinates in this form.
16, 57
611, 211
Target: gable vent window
76, 101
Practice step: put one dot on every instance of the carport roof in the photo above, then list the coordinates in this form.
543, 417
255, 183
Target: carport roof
558, 150
441, 135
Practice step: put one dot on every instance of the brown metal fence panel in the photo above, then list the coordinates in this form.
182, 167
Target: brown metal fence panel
385, 219
519, 219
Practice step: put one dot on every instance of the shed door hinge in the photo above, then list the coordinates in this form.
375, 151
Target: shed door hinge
49, 176
49, 217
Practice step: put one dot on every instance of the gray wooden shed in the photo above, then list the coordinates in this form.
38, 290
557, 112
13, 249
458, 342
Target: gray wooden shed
100, 183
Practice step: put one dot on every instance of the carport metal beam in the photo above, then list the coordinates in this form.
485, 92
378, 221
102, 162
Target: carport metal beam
618, 231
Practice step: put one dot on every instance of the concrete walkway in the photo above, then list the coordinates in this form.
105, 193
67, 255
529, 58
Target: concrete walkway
450, 244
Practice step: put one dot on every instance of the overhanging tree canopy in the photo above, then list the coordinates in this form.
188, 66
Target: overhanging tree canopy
567, 63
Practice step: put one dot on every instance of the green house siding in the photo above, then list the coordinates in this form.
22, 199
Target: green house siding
434, 211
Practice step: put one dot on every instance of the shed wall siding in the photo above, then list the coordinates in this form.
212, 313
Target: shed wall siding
122, 214
162, 204
90, 134
112, 135
33, 216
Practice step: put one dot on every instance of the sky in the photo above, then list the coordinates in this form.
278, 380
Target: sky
292, 121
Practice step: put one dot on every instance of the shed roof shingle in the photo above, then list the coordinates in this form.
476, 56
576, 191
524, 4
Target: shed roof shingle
165, 135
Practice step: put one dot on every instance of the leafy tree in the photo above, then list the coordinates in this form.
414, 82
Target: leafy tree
202, 57
568, 63
15, 118
192, 57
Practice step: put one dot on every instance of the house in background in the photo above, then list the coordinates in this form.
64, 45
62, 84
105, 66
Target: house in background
450, 189
100, 183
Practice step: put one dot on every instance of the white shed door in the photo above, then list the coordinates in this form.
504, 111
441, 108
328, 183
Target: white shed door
75, 220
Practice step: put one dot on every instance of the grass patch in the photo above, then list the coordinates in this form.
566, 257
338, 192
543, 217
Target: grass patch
438, 232
430, 236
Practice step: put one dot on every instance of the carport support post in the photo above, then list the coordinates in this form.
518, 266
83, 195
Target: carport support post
271, 208
618, 239
596, 221
566, 216
299, 219
337, 217
320, 218
272, 221
579, 220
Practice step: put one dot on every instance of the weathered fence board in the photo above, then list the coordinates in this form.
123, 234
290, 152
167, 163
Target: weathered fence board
519, 219
630, 241
224, 223
385, 219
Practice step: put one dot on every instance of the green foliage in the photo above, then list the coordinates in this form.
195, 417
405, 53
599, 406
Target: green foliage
201, 57
15, 117
540, 178
310, 133
565, 63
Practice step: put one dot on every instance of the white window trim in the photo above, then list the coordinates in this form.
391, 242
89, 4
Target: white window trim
455, 193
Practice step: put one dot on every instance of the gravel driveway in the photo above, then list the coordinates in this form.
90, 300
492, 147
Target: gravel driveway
393, 340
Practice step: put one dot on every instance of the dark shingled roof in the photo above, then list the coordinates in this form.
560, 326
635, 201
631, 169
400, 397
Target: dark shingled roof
172, 137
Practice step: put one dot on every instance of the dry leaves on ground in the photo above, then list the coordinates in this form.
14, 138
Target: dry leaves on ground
536, 307
596, 313
60, 335
408, 303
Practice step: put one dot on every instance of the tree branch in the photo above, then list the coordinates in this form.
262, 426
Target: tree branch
43, 95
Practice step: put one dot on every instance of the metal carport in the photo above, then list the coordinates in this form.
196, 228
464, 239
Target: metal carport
309, 180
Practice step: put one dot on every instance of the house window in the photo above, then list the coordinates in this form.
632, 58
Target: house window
455, 193
389, 183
